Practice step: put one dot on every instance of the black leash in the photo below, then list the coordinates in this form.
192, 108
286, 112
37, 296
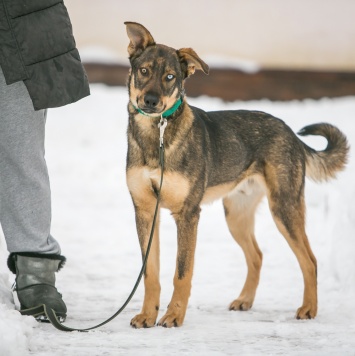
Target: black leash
50, 313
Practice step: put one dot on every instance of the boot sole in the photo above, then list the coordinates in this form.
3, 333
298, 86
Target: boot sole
44, 319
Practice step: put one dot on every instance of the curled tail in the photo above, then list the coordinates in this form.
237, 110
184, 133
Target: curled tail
322, 165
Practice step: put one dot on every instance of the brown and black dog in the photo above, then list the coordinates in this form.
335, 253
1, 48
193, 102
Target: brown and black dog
239, 156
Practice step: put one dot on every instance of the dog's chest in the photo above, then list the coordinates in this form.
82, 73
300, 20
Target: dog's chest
144, 182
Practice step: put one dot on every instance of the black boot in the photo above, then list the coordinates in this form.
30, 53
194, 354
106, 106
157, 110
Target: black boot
35, 281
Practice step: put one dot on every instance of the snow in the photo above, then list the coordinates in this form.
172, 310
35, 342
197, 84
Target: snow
93, 219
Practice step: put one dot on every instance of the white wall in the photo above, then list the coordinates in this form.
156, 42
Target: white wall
304, 34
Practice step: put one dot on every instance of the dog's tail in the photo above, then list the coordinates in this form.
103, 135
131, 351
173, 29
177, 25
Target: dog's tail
322, 165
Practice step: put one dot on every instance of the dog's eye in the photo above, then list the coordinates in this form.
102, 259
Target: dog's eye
170, 77
144, 71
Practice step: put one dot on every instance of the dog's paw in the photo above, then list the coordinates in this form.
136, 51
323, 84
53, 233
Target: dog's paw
241, 304
174, 316
143, 321
306, 312
170, 320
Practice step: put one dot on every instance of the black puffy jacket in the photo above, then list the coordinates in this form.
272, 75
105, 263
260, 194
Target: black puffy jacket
38, 47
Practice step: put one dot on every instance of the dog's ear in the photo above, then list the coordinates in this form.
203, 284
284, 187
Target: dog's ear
140, 38
192, 61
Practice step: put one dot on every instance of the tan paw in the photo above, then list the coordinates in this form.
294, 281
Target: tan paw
306, 312
174, 317
170, 320
241, 304
143, 321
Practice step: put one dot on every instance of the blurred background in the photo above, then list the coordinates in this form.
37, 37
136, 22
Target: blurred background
274, 49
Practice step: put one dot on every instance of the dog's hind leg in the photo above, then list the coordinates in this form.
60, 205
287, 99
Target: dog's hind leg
287, 206
239, 210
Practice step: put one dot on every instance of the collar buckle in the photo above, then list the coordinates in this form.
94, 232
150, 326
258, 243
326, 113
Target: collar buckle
162, 125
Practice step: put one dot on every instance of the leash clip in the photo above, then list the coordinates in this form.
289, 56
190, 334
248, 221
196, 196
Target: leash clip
162, 125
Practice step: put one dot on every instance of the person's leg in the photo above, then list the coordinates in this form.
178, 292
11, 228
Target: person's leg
25, 200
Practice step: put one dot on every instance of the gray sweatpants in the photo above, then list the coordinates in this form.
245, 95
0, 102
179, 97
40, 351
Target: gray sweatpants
25, 197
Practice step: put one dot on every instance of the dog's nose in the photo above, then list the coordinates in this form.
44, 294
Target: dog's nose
151, 100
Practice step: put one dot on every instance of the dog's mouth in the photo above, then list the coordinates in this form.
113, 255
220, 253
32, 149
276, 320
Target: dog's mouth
151, 111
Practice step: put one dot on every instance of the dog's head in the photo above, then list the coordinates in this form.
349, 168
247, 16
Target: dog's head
158, 72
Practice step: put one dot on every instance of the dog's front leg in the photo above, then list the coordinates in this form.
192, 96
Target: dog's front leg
144, 218
187, 231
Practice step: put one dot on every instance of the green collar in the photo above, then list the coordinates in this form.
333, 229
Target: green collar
166, 113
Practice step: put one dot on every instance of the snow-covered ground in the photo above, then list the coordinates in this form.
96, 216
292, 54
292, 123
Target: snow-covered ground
93, 218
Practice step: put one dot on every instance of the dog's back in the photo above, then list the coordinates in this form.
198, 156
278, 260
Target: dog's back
241, 138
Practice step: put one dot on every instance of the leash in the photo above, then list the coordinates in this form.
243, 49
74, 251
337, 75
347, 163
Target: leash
43, 309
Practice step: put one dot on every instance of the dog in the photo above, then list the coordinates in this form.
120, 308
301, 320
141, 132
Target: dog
239, 156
